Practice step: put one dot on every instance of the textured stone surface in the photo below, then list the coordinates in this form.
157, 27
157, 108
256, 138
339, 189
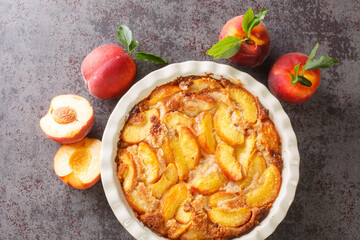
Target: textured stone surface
42, 44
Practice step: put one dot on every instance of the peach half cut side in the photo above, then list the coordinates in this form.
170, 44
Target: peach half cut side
78, 164
69, 119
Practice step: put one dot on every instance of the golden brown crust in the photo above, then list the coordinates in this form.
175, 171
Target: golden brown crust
191, 96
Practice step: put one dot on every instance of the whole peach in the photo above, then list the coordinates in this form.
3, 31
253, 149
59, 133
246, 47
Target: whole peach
279, 79
252, 52
108, 71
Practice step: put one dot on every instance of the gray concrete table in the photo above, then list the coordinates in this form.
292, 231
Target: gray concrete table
42, 44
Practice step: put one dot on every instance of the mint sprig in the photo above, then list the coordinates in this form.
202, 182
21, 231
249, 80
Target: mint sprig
125, 37
230, 45
311, 64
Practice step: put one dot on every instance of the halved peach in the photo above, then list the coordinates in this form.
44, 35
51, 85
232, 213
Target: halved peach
69, 119
138, 131
127, 168
243, 152
175, 119
224, 127
257, 166
209, 184
206, 137
78, 164
150, 161
172, 199
168, 178
227, 162
246, 101
162, 92
230, 217
268, 189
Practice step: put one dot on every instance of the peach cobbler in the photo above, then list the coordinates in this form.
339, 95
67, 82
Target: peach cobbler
199, 158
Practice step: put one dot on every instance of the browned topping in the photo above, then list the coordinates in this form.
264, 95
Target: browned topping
156, 127
64, 115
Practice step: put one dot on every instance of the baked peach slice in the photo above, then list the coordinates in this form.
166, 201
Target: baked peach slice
182, 216
269, 136
200, 84
78, 164
69, 119
209, 184
174, 229
167, 152
168, 178
246, 101
127, 170
141, 199
217, 198
135, 132
268, 189
150, 162
175, 119
206, 137
172, 199
230, 217
196, 104
257, 166
162, 92
225, 158
244, 152
224, 127
186, 151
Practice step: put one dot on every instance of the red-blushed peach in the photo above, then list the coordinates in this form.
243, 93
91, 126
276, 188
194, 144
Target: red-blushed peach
78, 164
253, 51
108, 71
279, 79
69, 119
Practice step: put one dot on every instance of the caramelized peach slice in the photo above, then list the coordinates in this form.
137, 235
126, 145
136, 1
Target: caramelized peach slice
209, 184
186, 151
181, 216
206, 137
162, 92
150, 161
243, 152
175, 119
167, 152
257, 166
204, 83
172, 199
168, 178
269, 136
230, 217
225, 129
227, 162
129, 173
268, 189
137, 132
247, 103
196, 104
217, 198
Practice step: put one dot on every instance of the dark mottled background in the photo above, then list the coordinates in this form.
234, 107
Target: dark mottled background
42, 44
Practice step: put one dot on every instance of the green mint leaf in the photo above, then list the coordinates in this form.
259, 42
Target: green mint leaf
125, 35
134, 44
249, 15
225, 48
322, 62
143, 56
304, 81
256, 20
